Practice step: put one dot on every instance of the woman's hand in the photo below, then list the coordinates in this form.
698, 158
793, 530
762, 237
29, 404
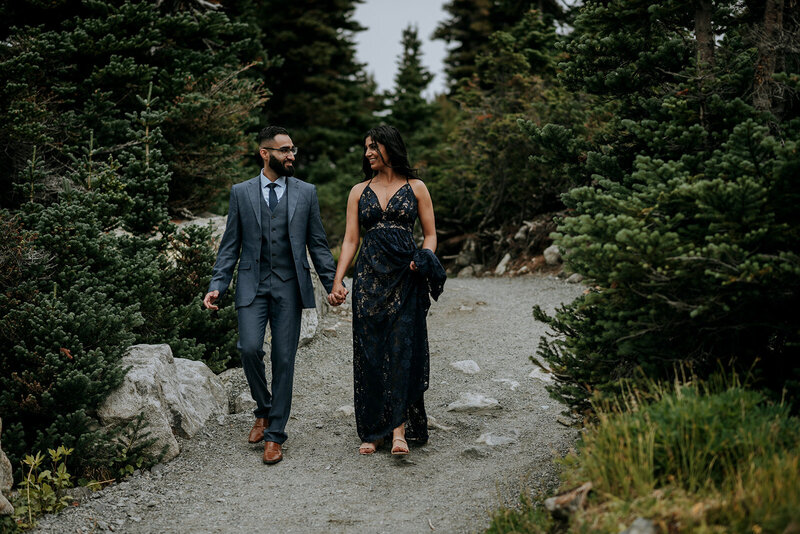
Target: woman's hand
413, 266
338, 294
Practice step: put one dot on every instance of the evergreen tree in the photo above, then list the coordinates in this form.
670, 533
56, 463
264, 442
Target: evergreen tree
410, 112
86, 154
686, 224
484, 179
82, 65
318, 91
471, 24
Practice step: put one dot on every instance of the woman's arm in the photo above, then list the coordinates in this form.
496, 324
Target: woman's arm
426, 217
349, 245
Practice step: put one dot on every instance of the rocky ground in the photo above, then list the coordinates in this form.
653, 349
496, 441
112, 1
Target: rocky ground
475, 460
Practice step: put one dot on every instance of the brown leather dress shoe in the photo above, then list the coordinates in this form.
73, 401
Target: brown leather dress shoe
257, 432
272, 452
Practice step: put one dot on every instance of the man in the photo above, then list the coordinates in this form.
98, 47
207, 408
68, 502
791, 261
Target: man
272, 218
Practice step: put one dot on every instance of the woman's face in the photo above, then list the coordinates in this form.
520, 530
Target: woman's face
376, 154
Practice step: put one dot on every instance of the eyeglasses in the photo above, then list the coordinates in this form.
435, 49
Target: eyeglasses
283, 150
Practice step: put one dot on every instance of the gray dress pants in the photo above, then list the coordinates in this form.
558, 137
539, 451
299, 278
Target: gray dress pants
277, 303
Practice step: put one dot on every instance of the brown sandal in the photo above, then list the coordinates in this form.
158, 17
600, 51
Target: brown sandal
401, 449
368, 448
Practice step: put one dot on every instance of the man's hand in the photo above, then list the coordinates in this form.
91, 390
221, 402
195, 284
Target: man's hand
338, 295
209, 299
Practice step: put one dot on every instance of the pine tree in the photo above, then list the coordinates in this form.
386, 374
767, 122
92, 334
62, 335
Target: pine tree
684, 225
69, 71
487, 154
471, 24
318, 92
410, 112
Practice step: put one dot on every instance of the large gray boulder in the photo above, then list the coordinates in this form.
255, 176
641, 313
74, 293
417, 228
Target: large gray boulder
176, 395
6, 479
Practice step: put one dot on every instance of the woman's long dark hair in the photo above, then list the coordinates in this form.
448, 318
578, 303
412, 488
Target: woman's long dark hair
389, 137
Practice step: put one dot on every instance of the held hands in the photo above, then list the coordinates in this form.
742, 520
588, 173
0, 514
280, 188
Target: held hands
209, 299
338, 295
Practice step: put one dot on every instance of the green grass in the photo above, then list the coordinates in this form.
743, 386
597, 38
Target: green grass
704, 457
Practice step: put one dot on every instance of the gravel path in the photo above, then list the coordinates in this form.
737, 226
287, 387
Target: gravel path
218, 483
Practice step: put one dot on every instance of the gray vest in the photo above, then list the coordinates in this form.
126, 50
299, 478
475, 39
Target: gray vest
276, 251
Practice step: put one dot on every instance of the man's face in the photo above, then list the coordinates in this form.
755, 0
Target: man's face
278, 154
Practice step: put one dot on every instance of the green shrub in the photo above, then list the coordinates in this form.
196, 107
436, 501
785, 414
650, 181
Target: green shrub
685, 267
43, 491
75, 296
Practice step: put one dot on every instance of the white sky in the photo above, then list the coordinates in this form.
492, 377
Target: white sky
379, 45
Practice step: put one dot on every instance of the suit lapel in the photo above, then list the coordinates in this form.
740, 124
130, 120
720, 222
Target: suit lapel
292, 193
254, 192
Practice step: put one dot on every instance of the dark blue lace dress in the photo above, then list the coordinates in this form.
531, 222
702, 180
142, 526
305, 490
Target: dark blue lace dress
390, 337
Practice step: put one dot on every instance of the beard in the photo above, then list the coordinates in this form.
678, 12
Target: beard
286, 169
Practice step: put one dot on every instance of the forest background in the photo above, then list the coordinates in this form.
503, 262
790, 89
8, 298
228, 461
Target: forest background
659, 140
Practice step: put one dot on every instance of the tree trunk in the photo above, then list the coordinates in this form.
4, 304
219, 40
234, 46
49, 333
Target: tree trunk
704, 34
764, 88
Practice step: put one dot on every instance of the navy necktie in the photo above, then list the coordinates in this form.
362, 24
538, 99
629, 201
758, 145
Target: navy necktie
273, 196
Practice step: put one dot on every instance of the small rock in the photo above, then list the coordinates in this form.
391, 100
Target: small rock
495, 440
433, 423
501, 267
319, 425
565, 421
346, 410
552, 255
522, 233
512, 384
565, 504
469, 367
473, 402
641, 525
5, 506
158, 469
244, 402
220, 420
575, 278
330, 332
466, 272
523, 270
465, 308
540, 374
474, 453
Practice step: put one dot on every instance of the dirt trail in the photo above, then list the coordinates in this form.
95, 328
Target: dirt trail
218, 483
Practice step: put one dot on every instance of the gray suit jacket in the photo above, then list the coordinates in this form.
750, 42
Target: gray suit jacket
242, 241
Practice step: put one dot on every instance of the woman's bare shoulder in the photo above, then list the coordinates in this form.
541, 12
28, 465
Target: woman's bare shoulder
359, 187
356, 190
418, 186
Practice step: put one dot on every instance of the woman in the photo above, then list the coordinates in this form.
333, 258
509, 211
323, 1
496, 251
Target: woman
390, 293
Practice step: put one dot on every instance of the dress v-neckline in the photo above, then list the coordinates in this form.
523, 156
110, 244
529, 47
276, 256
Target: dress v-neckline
390, 198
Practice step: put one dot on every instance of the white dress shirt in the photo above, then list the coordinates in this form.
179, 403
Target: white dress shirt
280, 186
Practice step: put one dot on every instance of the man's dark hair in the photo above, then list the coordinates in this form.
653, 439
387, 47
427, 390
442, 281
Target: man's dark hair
389, 137
270, 132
